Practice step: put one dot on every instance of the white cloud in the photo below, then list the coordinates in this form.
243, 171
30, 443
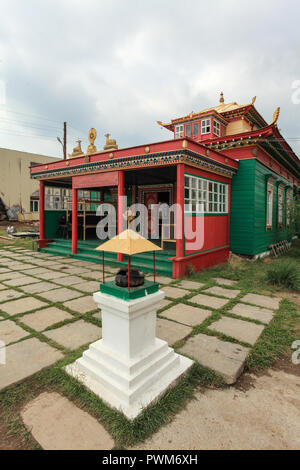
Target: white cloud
121, 65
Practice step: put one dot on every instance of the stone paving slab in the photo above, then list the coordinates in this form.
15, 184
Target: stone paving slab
82, 305
74, 270
164, 303
96, 275
68, 280
27, 266
58, 424
39, 287
10, 275
208, 301
10, 332
48, 276
187, 314
190, 284
60, 295
2, 287
226, 359
224, 282
17, 266
216, 290
88, 286
174, 292
9, 294
74, 335
25, 358
262, 300
256, 313
20, 281
21, 305
170, 331
35, 271
160, 279
238, 329
41, 319
4, 270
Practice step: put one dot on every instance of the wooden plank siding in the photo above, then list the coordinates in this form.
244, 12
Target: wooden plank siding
242, 208
249, 235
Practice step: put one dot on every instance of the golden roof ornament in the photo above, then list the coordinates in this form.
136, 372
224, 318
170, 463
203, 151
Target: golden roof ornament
110, 143
92, 137
221, 98
77, 150
275, 117
253, 100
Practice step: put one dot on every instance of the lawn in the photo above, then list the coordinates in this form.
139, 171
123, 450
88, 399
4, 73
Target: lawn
275, 342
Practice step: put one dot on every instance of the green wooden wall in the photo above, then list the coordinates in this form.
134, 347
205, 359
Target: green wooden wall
248, 210
51, 222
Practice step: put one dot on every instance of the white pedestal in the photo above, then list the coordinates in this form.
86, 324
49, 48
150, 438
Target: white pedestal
129, 367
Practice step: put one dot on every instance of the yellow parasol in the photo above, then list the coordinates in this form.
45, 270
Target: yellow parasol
128, 243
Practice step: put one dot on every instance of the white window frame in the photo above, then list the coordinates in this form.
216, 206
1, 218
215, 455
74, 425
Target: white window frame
34, 205
205, 196
206, 126
270, 193
216, 128
186, 130
195, 124
288, 208
280, 206
179, 131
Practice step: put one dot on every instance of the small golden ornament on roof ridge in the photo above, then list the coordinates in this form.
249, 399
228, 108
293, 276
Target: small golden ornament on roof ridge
111, 144
221, 98
77, 150
92, 137
275, 116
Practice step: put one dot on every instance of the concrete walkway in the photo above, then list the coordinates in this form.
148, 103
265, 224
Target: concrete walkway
47, 311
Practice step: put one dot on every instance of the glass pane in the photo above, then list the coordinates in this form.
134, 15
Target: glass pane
193, 182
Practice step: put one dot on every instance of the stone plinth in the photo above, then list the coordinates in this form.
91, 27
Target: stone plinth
129, 367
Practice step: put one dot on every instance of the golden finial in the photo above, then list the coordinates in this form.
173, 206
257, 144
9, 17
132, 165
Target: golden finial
253, 100
77, 151
110, 143
221, 98
275, 117
92, 137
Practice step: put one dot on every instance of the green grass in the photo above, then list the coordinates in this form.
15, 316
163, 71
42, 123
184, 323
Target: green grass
275, 342
284, 273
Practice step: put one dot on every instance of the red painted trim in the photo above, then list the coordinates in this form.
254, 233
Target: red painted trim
200, 261
43, 243
121, 209
96, 180
42, 210
180, 214
74, 220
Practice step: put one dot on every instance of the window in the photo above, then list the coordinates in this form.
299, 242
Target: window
188, 130
288, 208
217, 128
205, 126
196, 130
270, 205
280, 206
34, 205
179, 131
201, 195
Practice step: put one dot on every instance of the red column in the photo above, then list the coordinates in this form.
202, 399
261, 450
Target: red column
121, 208
42, 210
180, 214
74, 220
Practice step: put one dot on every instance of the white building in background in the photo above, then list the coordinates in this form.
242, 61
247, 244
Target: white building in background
19, 194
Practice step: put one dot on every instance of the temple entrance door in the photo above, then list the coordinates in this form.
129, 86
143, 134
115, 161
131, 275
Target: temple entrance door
150, 198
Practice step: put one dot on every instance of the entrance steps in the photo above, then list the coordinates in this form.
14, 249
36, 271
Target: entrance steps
86, 252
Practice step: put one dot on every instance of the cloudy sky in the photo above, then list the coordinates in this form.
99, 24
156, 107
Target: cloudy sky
120, 65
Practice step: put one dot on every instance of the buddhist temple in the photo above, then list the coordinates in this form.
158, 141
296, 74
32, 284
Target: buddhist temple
233, 175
